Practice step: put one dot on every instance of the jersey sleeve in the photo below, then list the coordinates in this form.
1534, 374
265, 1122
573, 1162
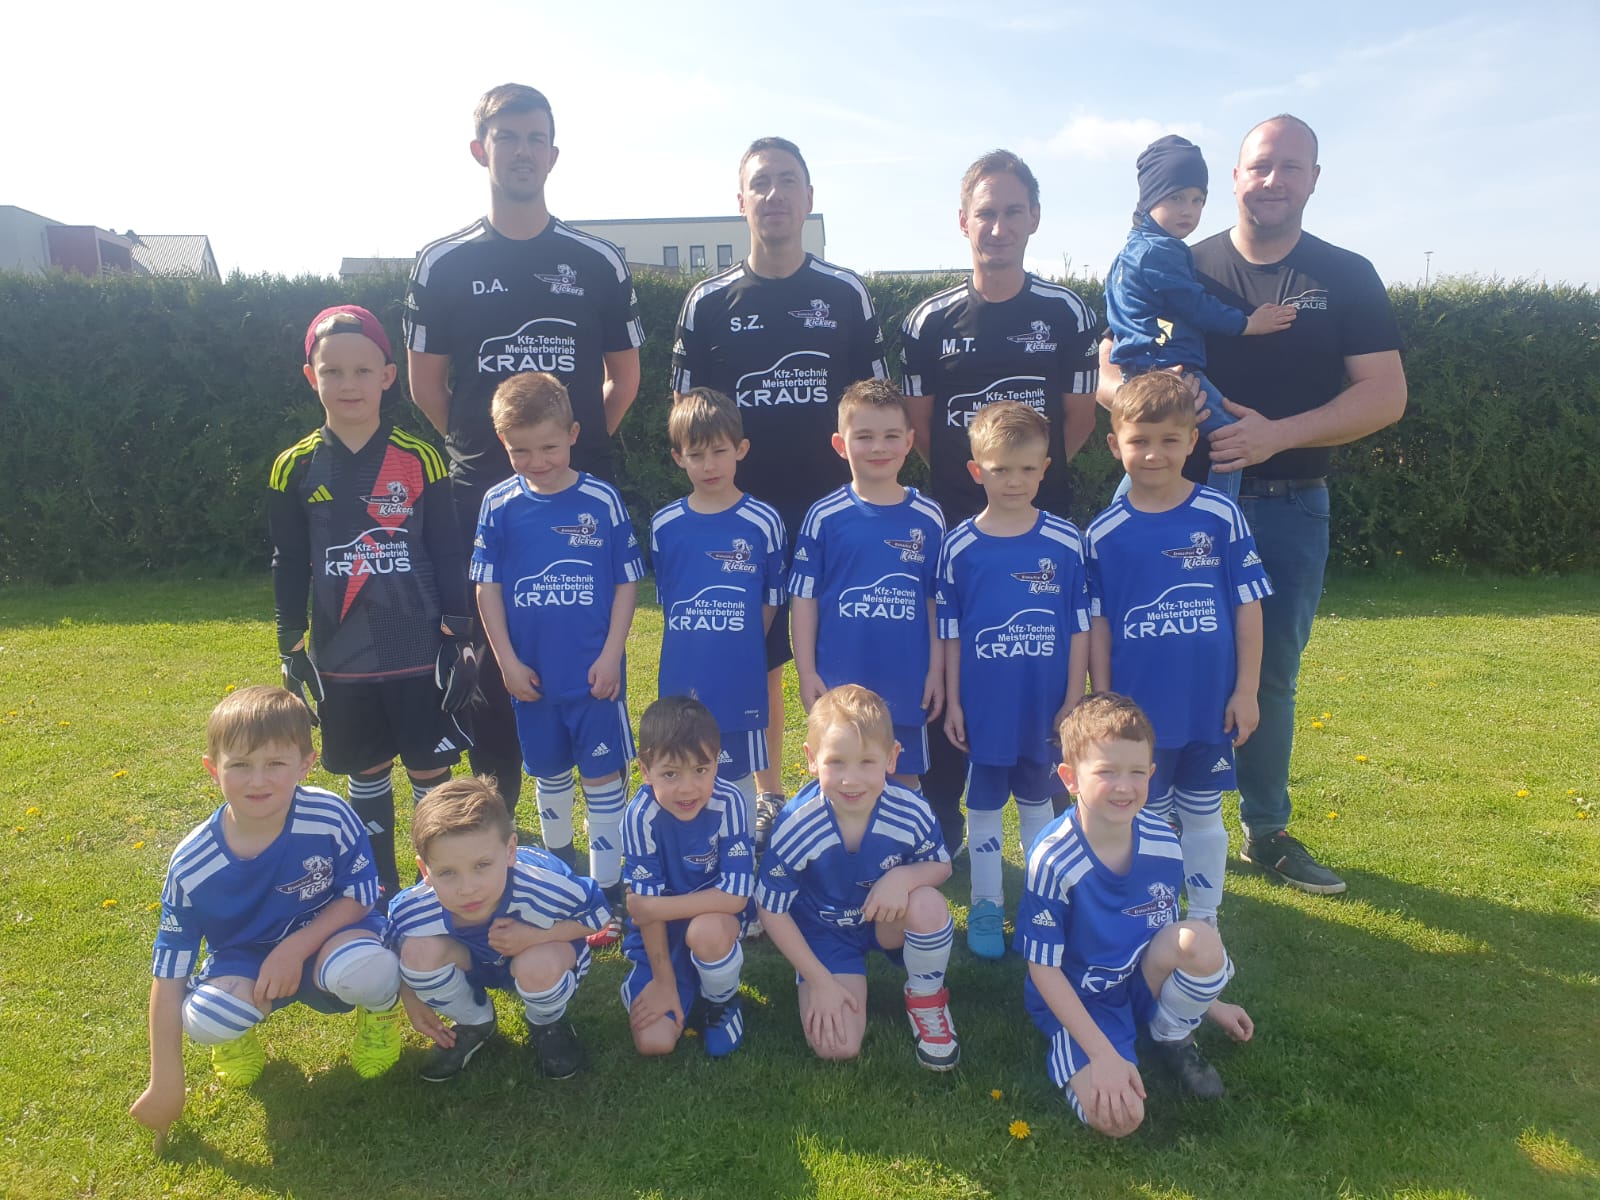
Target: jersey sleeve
867, 360
178, 938
1079, 351
441, 534
1368, 325
1042, 914
1076, 592
546, 893
291, 554
689, 344
735, 854
355, 874
916, 366
486, 545
931, 554
622, 328
929, 846
809, 566
1247, 576
641, 858
948, 596
425, 324
627, 563
1094, 581
778, 883
773, 583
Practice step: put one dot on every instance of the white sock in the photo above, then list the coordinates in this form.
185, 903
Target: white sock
448, 991
1205, 850
719, 981
984, 832
549, 1006
1032, 817
554, 795
362, 973
606, 802
1183, 1002
212, 1016
927, 955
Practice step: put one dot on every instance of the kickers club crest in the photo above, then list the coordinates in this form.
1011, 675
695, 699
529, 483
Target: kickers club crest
1161, 909
581, 534
1198, 553
317, 879
1041, 582
912, 547
393, 501
1036, 340
815, 317
563, 283
739, 560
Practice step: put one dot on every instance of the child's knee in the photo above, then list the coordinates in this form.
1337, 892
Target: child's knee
656, 1040
426, 953
362, 973
711, 936
212, 1015
927, 911
1199, 948
540, 968
842, 1051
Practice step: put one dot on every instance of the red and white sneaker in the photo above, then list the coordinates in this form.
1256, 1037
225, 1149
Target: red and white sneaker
935, 1032
608, 934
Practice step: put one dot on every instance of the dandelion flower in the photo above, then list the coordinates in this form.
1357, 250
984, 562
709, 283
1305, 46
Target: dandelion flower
63, 724
138, 845
1327, 716
33, 811
1523, 793
1572, 791
108, 904
152, 906
229, 688
119, 774
1316, 724
996, 1094
1583, 815
1020, 1130
1361, 758
1333, 816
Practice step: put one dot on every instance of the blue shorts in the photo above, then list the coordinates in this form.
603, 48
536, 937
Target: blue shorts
988, 788
1195, 767
557, 735
744, 751
843, 950
1118, 1014
486, 973
913, 741
639, 977
245, 962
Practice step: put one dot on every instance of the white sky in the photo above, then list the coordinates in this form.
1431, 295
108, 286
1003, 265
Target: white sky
294, 136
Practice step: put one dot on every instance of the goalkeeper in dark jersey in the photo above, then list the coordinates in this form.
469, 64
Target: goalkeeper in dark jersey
363, 526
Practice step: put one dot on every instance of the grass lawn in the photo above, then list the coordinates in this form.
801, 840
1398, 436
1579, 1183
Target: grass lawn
1435, 1033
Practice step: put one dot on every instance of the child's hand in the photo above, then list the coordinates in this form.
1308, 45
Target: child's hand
1233, 1020
933, 693
825, 1026
1270, 318
605, 677
510, 937
1241, 716
522, 681
1112, 1094
888, 899
811, 689
659, 999
424, 1020
157, 1108
1067, 705
280, 976
955, 723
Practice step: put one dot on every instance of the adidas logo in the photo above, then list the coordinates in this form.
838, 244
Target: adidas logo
1251, 560
445, 745
890, 863
776, 871
724, 757
739, 850
1220, 766
1197, 881
360, 863
1044, 920
547, 814
374, 827
600, 843
170, 924
600, 751
923, 847
988, 846
800, 555
641, 872
320, 496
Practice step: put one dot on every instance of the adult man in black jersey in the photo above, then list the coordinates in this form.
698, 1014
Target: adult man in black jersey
1332, 378
1005, 334
517, 291
784, 334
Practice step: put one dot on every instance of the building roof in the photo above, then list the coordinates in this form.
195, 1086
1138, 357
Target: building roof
174, 254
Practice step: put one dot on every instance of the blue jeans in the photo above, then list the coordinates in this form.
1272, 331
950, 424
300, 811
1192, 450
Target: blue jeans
1226, 482
1291, 533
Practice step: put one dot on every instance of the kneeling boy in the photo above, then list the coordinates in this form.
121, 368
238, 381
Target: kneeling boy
689, 867
854, 864
1099, 927
279, 883
490, 914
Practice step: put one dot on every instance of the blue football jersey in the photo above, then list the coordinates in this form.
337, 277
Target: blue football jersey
807, 872
540, 891
559, 560
872, 570
1014, 604
1167, 583
714, 573
252, 904
1090, 921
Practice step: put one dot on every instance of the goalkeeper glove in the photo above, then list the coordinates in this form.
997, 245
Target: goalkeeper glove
456, 669
300, 674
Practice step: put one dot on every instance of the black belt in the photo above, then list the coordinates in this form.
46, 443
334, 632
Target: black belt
1250, 485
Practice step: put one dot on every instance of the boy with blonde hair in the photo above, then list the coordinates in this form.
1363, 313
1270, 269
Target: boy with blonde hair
557, 567
1099, 927
690, 869
718, 555
862, 585
1014, 616
1175, 588
279, 885
490, 914
854, 864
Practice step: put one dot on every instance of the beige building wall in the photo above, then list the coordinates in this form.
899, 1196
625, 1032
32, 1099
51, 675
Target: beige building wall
698, 244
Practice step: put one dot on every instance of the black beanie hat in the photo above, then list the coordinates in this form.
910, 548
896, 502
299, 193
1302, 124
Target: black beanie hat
1169, 165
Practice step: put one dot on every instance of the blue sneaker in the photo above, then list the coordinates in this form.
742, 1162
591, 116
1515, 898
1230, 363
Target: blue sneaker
986, 930
724, 1028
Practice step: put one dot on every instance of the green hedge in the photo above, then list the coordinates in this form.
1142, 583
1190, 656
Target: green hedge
138, 419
